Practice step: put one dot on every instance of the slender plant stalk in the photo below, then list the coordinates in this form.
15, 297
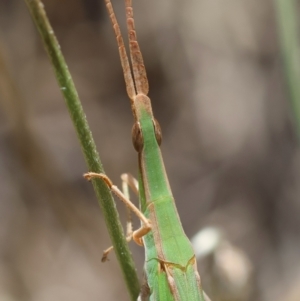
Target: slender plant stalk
91, 155
288, 27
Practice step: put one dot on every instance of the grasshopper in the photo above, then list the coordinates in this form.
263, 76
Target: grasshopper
170, 264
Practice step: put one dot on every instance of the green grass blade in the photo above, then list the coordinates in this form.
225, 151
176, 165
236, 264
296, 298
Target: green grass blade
67, 87
288, 28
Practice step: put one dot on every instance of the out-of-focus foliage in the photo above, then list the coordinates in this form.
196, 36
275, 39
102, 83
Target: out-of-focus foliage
230, 148
289, 34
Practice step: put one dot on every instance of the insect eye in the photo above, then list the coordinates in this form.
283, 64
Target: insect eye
157, 130
137, 137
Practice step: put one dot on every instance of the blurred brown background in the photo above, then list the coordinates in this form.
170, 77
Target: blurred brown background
230, 146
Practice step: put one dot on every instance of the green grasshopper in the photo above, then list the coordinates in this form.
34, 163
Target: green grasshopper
170, 263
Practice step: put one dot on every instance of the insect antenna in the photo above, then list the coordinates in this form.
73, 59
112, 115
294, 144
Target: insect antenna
138, 67
122, 52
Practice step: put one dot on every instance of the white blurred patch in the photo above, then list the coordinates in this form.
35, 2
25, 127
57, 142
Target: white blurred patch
206, 241
231, 268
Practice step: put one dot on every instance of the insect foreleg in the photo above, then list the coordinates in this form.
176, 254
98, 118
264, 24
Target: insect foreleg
146, 225
130, 181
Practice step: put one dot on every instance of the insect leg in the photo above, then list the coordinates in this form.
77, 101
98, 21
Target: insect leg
146, 225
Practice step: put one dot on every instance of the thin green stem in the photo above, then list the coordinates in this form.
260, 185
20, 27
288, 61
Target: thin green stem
288, 27
88, 146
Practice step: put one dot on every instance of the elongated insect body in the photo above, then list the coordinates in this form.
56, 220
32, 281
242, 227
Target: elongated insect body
170, 264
